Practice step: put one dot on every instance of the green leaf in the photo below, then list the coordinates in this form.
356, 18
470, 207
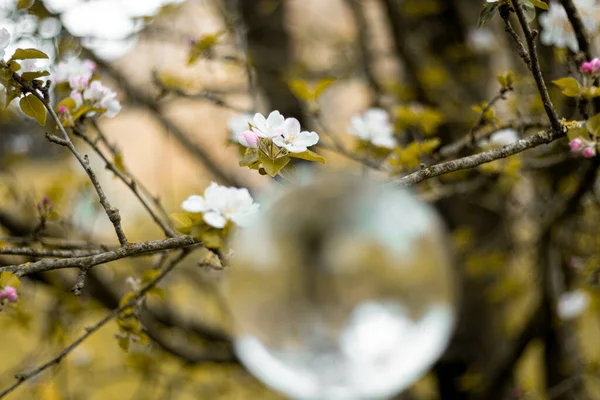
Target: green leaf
124, 343
25, 54
34, 108
300, 89
158, 292
182, 222
529, 11
309, 156
593, 124
14, 66
119, 163
212, 239
570, 86
29, 76
250, 158
487, 13
272, 167
575, 133
539, 4
321, 86
9, 279
24, 4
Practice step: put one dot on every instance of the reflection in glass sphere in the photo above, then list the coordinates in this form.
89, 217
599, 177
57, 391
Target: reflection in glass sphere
341, 288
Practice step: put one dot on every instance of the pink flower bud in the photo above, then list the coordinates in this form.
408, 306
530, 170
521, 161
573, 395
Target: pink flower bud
45, 200
589, 152
575, 145
248, 138
587, 67
63, 109
595, 65
10, 293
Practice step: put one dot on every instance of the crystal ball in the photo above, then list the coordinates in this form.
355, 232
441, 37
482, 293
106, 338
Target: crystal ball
341, 288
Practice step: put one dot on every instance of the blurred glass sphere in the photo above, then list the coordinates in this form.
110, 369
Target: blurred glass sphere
341, 288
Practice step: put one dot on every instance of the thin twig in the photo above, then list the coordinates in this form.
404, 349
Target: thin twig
28, 251
427, 172
535, 67
50, 264
111, 212
23, 377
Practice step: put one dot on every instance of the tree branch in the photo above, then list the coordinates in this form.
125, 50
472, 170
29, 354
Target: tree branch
22, 377
535, 67
581, 33
50, 264
446, 167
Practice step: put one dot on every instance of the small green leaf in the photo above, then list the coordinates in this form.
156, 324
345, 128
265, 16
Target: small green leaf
212, 239
272, 167
124, 343
9, 279
34, 108
14, 66
300, 89
321, 86
29, 76
119, 163
539, 4
309, 156
182, 222
593, 124
570, 86
158, 292
25, 54
575, 133
487, 13
250, 158
529, 11
24, 4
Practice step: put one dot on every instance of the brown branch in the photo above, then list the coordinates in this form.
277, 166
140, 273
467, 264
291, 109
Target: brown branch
50, 264
535, 67
583, 39
23, 377
111, 212
468, 162
30, 252
457, 146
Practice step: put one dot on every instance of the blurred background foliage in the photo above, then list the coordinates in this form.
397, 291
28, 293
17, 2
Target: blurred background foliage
524, 228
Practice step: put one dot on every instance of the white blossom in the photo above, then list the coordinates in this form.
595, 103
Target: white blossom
482, 40
4, 41
73, 67
96, 95
294, 140
269, 127
572, 304
558, 31
373, 126
221, 204
238, 124
501, 138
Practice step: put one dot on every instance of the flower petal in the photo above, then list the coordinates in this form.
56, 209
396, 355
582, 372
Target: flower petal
214, 219
194, 203
275, 119
291, 126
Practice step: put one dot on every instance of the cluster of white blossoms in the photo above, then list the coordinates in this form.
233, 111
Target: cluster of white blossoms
373, 126
558, 31
221, 204
73, 66
95, 95
285, 133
